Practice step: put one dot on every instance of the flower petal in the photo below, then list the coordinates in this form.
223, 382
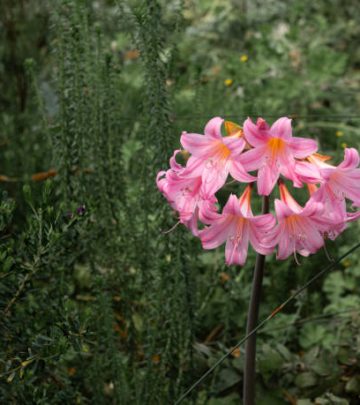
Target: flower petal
217, 233
261, 233
286, 243
208, 213
351, 159
288, 199
192, 223
235, 144
232, 206
267, 177
238, 172
236, 249
198, 145
253, 159
287, 168
345, 183
261, 245
194, 167
311, 239
308, 172
265, 222
352, 216
256, 135
174, 165
281, 128
214, 177
313, 208
213, 128
302, 147
282, 210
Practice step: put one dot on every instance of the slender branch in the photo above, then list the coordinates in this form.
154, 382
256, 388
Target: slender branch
32, 271
317, 318
253, 314
267, 319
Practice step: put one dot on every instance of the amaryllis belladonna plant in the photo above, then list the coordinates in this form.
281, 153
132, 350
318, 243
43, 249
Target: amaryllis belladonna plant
266, 155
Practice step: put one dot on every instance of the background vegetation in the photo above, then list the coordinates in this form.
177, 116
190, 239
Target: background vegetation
98, 306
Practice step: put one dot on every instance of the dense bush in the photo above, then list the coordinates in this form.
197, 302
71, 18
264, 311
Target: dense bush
98, 304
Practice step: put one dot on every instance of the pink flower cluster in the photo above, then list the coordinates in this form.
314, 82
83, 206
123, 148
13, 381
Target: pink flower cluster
268, 152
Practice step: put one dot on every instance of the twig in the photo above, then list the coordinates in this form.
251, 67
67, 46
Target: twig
312, 319
19, 291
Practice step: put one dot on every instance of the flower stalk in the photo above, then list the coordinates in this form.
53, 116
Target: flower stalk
253, 313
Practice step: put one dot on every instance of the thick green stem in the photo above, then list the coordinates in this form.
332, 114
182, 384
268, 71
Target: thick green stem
250, 348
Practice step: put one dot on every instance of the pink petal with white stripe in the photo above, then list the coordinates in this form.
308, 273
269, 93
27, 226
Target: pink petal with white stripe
213, 128
281, 129
302, 147
300, 229
256, 134
267, 178
198, 145
238, 226
253, 159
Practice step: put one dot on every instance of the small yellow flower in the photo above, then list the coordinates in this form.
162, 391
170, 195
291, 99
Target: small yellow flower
339, 133
228, 82
344, 145
347, 263
244, 58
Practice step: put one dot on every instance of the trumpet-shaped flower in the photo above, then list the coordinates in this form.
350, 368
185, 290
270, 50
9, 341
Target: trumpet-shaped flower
215, 156
338, 183
334, 211
184, 195
342, 181
274, 152
238, 226
300, 229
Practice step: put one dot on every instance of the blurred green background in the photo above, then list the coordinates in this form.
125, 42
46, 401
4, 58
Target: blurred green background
98, 305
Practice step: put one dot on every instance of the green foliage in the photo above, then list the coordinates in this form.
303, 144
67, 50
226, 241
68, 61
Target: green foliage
98, 304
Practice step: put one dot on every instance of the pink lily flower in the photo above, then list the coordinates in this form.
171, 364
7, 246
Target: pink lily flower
238, 226
299, 229
185, 196
338, 183
342, 181
215, 156
335, 211
274, 153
